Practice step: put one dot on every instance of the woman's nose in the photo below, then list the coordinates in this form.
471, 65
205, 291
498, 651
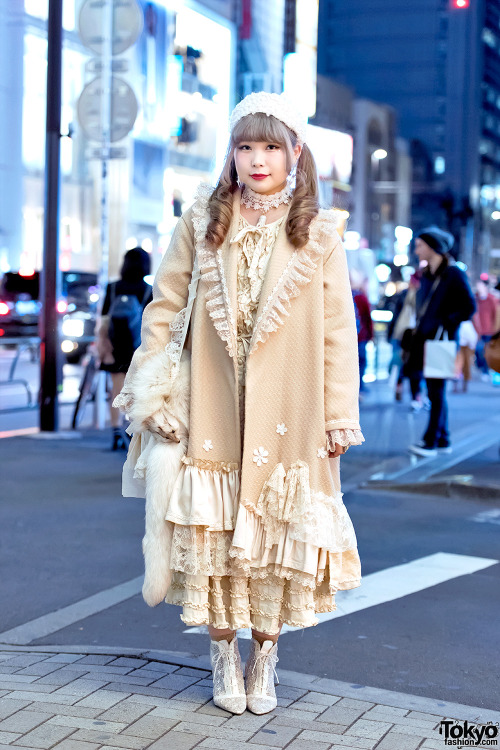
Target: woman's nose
258, 160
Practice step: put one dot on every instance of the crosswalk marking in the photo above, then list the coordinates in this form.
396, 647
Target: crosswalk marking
393, 583
62, 618
376, 588
487, 516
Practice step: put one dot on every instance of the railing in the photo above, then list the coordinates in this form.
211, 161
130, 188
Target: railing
22, 344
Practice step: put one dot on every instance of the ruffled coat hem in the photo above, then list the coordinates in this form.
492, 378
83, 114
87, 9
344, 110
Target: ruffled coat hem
268, 567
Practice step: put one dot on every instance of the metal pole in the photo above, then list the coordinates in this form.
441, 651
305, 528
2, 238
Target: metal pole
106, 61
50, 356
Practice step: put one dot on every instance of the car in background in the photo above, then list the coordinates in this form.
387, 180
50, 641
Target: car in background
81, 295
20, 308
19, 305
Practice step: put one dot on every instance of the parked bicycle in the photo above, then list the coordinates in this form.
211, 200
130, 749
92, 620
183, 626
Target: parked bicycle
88, 387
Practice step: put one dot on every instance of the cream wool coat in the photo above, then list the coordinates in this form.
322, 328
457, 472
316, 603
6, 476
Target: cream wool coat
278, 493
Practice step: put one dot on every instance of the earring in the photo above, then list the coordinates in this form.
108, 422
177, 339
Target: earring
292, 177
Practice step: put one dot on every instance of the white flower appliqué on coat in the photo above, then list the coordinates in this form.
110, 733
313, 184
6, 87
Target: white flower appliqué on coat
207, 445
281, 429
322, 453
260, 456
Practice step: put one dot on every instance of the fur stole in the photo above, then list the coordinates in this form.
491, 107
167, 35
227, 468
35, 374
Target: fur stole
155, 390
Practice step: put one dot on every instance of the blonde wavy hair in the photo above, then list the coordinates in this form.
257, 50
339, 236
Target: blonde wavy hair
305, 202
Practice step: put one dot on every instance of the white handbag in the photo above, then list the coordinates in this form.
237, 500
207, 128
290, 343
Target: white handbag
439, 356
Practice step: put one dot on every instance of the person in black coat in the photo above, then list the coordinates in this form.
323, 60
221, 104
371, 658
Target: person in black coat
444, 300
116, 357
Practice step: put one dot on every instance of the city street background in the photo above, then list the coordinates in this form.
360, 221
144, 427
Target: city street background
403, 106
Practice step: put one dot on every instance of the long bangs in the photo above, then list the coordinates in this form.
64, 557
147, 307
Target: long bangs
263, 128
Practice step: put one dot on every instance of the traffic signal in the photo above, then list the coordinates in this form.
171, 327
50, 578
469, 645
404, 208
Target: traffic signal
460, 4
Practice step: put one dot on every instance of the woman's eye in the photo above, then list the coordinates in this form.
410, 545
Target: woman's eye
273, 146
243, 148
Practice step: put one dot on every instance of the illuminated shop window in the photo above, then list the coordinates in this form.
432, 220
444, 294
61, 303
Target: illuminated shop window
439, 165
489, 38
72, 85
40, 9
35, 82
69, 15
31, 257
212, 69
37, 8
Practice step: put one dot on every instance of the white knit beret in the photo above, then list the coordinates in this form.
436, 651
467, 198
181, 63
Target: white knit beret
277, 105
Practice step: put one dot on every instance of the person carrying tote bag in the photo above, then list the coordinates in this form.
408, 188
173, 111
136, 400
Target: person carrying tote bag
444, 300
440, 355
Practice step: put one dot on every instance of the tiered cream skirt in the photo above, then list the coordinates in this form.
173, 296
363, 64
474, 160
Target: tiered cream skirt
237, 578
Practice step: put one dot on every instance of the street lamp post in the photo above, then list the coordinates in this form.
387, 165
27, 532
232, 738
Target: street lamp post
376, 157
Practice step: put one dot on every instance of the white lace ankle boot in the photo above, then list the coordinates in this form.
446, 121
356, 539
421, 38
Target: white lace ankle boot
229, 688
260, 671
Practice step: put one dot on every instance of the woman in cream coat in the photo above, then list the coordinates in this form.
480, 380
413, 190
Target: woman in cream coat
252, 532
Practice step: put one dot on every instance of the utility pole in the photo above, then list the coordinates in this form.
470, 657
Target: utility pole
106, 62
49, 333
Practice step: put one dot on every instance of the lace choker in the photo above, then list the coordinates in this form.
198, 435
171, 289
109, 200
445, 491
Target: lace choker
251, 199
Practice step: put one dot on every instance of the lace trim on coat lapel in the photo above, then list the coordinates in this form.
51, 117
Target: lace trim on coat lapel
297, 273
212, 272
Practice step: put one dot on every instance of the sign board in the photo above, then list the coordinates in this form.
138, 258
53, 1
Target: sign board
127, 24
117, 66
103, 154
123, 109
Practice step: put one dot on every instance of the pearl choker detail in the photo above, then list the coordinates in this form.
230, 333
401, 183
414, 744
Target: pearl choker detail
258, 202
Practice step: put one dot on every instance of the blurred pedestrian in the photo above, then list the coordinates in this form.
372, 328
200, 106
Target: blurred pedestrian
266, 392
405, 319
365, 324
486, 322
467, 341
119, 332
444, 300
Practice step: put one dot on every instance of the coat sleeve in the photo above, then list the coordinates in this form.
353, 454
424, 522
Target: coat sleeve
170, 294
341, 344
463, 303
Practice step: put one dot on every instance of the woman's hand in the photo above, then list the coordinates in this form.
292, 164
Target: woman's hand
339, 451
162, 428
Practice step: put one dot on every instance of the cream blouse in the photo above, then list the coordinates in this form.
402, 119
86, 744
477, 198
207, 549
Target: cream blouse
255, 245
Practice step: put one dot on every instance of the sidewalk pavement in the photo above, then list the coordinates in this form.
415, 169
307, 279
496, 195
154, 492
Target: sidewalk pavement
472, 470
87, 698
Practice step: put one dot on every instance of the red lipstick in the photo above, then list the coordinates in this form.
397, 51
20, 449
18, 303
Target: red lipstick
259, 176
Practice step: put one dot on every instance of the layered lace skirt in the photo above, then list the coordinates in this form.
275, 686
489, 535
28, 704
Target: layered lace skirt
213, 586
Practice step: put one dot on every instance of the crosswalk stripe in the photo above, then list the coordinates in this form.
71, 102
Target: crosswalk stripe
62, 618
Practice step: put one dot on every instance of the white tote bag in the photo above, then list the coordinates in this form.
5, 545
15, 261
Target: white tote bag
439, 357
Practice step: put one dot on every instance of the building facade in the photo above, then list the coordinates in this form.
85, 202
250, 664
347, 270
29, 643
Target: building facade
437, 64
182, 71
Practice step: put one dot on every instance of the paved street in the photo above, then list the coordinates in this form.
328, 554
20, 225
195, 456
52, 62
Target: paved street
83, 701
424, 622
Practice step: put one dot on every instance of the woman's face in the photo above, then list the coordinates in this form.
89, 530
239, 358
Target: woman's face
262, 166
423, 251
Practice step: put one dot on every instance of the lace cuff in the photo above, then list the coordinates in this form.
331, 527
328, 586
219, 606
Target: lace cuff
344, 438
123, 402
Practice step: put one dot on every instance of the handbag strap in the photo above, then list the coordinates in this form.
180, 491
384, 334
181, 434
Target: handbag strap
192, 289
441, 334
423, 309
180, 325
